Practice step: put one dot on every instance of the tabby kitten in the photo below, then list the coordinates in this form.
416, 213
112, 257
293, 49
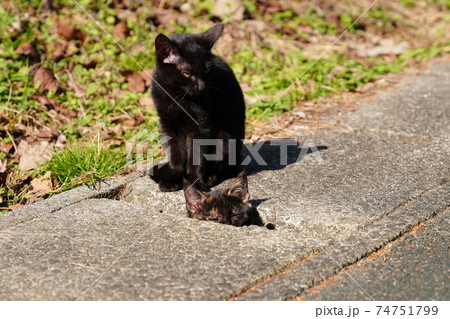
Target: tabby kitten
197, 97
230, 206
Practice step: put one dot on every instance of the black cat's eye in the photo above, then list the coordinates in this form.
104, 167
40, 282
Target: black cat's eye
207, 70
188, 75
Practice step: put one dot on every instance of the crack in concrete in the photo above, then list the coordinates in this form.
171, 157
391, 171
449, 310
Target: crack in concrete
311, 258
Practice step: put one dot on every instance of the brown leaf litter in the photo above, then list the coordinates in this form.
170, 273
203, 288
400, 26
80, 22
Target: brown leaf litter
137, 83
121, 30
28, 49
46, 80
69, 31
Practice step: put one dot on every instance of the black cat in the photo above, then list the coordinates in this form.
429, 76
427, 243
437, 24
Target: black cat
197, 97
230, 206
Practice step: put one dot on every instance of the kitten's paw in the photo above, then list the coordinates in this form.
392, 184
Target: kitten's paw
201, 186
167, 186
212, 180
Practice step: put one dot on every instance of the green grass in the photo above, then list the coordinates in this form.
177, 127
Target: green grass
79, 165
267, 70
272, 73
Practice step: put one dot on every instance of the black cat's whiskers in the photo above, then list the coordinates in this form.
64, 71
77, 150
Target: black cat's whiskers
134, 60
185, 93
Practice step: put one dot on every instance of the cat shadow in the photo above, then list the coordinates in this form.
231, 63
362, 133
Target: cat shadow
256, 202
275, 155
257, 220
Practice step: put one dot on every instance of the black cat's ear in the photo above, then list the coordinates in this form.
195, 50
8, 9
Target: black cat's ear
166, 52
211, 35
239, 188
194, 197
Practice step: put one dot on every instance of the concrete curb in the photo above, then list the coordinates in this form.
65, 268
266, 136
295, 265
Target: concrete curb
106, 189
304, 275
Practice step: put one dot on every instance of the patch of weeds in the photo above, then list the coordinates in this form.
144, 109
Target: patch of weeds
6, 18
281, 17
408, 3
250, 7
427, 53
15, 192
443, 3
347, 21
94, 87
79, 165
270, 74
203, 8
383, 19
316, 20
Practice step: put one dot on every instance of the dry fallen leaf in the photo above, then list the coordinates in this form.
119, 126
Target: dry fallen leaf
69, 31
139, 117
385, 47
41, 185
268, 6
118, 130
6, 148
3, 165
164, 19
147, 77
28, 49
61, 49
137, 48
52, 104
121, 30
228, 8
48, 133
65, 111
46, 79
255, 26
136, 81
32, 155
124, 119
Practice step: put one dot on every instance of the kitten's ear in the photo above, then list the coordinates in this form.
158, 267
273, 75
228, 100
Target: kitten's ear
211, 35
239, 188
165, 50
194, 197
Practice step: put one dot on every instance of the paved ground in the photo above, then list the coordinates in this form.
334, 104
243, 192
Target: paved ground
338, 198
414, 267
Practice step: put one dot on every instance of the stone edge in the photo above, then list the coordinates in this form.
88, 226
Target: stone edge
105, 189
308, 273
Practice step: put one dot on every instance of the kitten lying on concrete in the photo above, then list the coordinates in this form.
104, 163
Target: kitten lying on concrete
230, 206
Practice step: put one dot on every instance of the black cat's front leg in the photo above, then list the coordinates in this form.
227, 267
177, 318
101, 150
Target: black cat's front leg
168, 179
196, 172
231, 165
228, 153
169, 175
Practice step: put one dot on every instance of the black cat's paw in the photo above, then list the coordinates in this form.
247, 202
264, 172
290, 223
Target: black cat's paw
168, 186
154, 173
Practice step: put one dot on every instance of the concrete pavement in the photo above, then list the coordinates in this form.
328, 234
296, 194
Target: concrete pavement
413, 267
384, 170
